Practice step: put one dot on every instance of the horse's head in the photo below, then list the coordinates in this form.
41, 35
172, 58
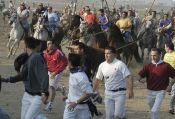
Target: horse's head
75, 21
40, 23
148, 24
40, 20
114, 34
13, 18
94, 28
83, 27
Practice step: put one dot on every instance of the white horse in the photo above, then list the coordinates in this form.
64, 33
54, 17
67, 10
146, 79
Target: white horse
41, 32
16, 34
7, 12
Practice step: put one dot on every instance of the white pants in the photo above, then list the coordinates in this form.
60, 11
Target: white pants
54, 82
155, 99
81, 111
115, 105
31, 106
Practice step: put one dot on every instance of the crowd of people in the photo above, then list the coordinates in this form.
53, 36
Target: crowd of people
41, 71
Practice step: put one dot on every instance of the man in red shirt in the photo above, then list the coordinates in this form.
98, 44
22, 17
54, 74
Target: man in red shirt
56, 62
157, 76
90, 17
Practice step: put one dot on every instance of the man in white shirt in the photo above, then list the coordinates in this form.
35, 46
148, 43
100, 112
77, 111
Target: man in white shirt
115, 74
52, 21
79, 91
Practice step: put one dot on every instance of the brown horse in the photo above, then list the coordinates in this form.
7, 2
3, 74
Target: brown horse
115, 39
99, 38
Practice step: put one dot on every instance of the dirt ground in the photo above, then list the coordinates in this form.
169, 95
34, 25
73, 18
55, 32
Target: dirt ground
11, 94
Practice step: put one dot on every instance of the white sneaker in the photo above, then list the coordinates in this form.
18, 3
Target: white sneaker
49, 107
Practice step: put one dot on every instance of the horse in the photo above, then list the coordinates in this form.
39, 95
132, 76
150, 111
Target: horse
90, 63
147, 38
17, 33
42, 33
99, 38
7, 12
74, 31
33, 23
128, 49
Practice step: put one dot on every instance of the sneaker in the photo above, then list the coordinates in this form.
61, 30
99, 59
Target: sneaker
171, 112
49, 107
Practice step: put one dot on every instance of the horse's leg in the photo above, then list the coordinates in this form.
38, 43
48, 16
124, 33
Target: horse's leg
130, 55
16, 48
10, 38
125, 58
8, 43
149, 50
11, 49
143, 53
3, 17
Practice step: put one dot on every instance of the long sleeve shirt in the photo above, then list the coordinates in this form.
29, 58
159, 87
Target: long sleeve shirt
157, 75
34, 74
56, 61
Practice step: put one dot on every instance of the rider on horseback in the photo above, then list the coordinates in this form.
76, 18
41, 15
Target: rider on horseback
23, 14
103, 20
135, 22
150, 24
90, 17
153, 19
40, 10
52, 21
125, 25
11, 6
165, 26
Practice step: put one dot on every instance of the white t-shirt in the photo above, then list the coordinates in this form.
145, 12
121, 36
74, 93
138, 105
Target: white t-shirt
114, 74
78, 85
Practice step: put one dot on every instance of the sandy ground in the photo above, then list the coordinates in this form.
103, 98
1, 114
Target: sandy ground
11, 94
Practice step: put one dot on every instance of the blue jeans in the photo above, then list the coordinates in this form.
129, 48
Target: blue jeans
126, 36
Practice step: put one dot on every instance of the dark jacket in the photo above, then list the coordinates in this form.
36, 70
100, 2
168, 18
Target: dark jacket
34, 74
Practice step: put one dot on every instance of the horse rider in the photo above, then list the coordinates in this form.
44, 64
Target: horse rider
165, 26
11, 6
103, 20
133, 20
161, 14
65, 19
23, 14
82, 11
172, 12
90, 17
40, 10
150, 18
125, 26
52, 22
